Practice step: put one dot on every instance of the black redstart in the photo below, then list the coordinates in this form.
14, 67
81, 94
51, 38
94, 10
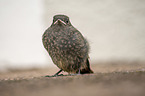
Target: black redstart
66, 46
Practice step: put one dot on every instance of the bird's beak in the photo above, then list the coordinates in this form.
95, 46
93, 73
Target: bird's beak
59, 21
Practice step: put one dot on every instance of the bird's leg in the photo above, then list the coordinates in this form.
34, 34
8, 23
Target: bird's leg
56, 74
79, 71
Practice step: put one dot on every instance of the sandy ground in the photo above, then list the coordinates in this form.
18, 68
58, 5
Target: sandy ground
109, 79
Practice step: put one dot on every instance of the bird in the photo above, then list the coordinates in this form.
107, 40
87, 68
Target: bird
66, 46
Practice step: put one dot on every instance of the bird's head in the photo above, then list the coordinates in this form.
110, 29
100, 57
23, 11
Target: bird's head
61, 20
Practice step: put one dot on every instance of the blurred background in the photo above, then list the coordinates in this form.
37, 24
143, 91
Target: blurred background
115, 30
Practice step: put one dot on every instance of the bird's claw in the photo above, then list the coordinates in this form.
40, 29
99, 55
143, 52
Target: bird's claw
54, 75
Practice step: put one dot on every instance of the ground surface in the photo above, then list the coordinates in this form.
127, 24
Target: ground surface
109, 79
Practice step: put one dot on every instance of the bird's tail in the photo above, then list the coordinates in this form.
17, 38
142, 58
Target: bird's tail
87, 69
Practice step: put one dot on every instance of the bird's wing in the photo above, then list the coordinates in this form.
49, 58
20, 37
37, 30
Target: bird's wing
81, 45
45, 38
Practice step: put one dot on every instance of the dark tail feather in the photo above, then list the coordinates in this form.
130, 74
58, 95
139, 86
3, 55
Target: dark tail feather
86, 70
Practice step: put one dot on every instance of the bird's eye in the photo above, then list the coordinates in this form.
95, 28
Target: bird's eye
66, 21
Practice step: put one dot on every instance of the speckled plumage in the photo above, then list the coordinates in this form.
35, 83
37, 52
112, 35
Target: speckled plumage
66, 46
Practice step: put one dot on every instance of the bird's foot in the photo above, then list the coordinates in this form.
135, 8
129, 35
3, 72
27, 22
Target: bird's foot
78, 73
56, 75
75, 74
